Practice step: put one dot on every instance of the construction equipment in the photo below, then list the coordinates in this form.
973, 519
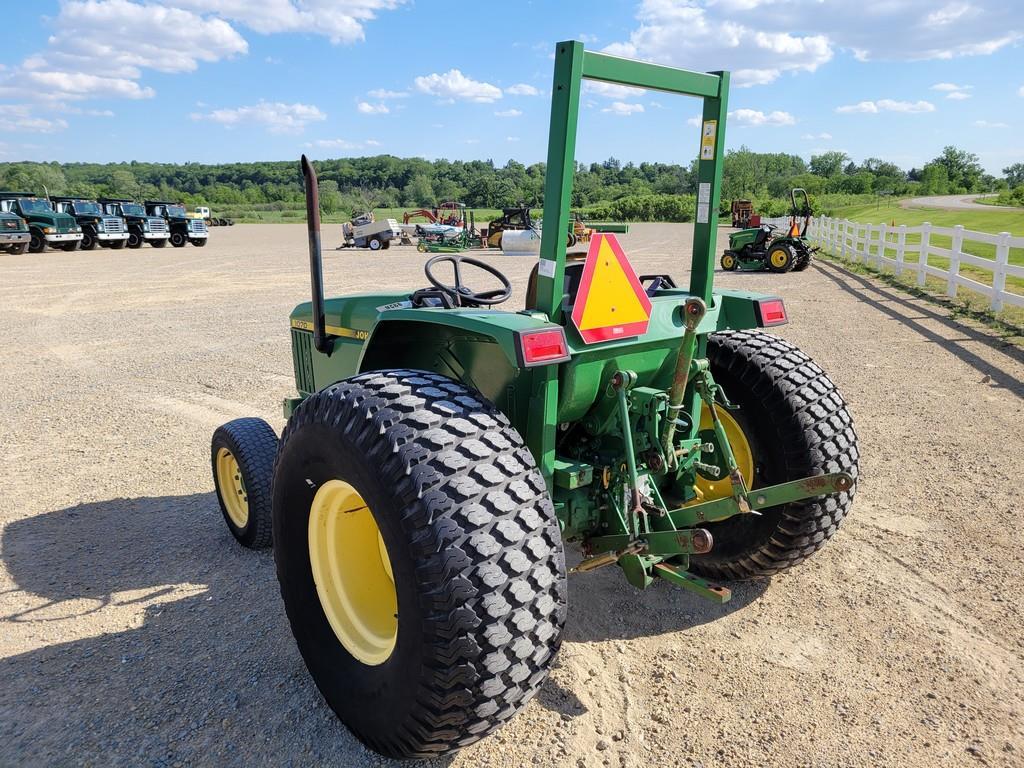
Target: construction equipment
98, 228
439, 451
213, 221
760, 247
142, 228
445, 238
183, 227
47, 226
14, 233
742, 212
364, 231
516, 218
450, 214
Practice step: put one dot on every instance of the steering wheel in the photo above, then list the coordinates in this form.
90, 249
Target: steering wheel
460, 293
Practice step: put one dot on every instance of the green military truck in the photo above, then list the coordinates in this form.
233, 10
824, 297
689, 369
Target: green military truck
142, 228
46, 226
98, 228
14, 234
184, 228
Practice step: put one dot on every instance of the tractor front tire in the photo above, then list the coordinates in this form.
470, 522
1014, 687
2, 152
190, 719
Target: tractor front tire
781, 258
797, 425
419, 559
729, 261
242, 457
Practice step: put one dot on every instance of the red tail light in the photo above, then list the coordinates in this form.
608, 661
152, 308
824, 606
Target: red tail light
541, 347
770, 312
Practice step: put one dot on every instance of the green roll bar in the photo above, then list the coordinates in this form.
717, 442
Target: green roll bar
573, 64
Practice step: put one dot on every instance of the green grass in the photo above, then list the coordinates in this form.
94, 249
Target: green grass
992, 222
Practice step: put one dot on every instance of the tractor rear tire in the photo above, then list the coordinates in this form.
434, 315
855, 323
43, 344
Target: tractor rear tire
458, 517
803, 261
797, 425
780, 258
242, 457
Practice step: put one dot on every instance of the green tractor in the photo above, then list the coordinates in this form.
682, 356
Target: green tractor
759, 248
440, 451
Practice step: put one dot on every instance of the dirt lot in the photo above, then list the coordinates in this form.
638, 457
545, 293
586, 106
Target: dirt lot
134, 631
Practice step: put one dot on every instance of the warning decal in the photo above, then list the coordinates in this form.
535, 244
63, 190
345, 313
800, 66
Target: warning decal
611, 303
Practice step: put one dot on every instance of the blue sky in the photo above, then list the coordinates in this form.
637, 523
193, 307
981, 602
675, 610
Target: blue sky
238, 80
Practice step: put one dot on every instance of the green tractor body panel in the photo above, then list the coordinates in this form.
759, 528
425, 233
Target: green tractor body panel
743, 238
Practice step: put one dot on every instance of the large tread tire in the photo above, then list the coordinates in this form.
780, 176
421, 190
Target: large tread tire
37, 243
798, 425
474, 547
803, 261
253, 443
178, 239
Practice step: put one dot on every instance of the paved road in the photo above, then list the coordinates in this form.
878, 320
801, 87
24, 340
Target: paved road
954, 203
135, 632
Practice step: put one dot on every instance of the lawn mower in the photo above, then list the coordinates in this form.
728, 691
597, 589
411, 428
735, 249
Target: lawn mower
439, 451
759, 248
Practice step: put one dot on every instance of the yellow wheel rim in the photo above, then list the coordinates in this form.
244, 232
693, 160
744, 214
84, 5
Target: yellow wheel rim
352, 572
709, 489
728, 261
779, 258
232, 488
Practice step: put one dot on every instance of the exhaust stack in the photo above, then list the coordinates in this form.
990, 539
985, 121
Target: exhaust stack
316, 268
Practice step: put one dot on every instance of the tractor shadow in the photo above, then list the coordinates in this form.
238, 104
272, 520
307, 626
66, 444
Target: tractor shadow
210, 674
914, 312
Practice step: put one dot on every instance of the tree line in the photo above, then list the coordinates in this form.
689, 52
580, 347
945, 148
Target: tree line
632, 191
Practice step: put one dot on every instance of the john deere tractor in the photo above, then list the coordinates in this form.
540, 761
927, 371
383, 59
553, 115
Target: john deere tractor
440, 451
759, 248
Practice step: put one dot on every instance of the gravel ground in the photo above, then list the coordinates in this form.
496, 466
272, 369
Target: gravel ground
133, 631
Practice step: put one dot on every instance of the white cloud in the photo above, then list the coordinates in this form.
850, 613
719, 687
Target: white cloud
384, 93
623, 108
987, 124
471, 141
694, 121
276, 117
522, 89
755, 117
511, 138
341, 144
958, 95
1020, 91
887, 105
454, 85
19, 117
611, 90
760, 47
950, 87
341, 21
509, 113
817, 136
585, 38
366, 108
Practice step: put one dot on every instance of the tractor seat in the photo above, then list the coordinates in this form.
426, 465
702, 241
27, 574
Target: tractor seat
762, 235
573, 275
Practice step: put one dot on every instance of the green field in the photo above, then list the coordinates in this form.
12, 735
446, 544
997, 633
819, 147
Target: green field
991, 222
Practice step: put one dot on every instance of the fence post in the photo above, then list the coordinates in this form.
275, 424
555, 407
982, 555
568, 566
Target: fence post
999, 272
922, 260
952, 283
901, 242
883, 242
868, 236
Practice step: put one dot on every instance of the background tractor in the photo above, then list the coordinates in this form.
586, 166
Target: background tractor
758, 248
439, 451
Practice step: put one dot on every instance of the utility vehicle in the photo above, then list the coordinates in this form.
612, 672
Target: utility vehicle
364, 231
439, 451
98, 228
142, 228
758, 248
14, 233
46, 226
183, 228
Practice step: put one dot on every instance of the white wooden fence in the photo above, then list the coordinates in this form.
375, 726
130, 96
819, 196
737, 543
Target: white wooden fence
872, 244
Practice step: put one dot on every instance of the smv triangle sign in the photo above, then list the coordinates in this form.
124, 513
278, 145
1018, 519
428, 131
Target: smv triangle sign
611, 303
